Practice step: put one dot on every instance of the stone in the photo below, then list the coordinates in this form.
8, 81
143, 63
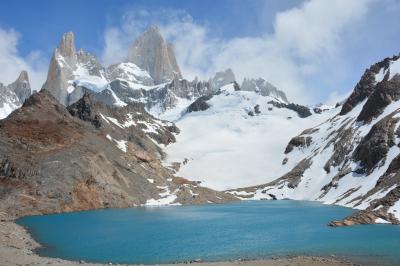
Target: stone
153, 54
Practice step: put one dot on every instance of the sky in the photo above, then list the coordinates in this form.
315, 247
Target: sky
314, 50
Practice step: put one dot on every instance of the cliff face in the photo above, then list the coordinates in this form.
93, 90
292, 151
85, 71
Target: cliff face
66, 68
13, 95
153, 54
88, 156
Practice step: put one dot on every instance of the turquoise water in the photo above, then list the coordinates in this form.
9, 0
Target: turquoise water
247, 230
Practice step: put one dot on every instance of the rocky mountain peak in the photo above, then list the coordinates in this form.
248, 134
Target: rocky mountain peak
66, 66
67, 45
155, 29
222, 78
23, 76
264, 88
367, 84
152, 53
21, 87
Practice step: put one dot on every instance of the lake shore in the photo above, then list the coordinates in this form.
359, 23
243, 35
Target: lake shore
17, 248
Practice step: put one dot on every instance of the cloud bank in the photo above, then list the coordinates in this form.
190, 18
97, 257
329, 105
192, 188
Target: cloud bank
11, 63
305, 42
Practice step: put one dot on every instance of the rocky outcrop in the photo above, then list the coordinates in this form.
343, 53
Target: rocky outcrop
221, 79
66, 64
301, 110
62, 65
13, 95
200, 104
89, 156
374, 147
83, 109
385, 92
21, 87
264, 88
290, 179
366, 85
298, 141
162, 97
153, 54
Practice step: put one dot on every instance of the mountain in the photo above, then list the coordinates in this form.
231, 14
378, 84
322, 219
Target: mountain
13, 95
235, 138
221, 79
352, 159
54, 159
153, 54
70, 70
264, 88
72, 73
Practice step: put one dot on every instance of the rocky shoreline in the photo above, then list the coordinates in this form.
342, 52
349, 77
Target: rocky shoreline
17, 247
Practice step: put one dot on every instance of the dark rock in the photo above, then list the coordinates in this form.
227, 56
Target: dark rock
301, 110
384, 93
342, 146
236, 86
272, 196
299, 141
200, 104
83, 110
376, 144
365, 86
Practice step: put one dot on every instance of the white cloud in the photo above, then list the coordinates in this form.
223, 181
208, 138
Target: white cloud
114, 49
304, 43
336, 97
11, 63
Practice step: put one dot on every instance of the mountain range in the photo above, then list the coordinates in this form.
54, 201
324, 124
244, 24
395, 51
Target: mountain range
123, 135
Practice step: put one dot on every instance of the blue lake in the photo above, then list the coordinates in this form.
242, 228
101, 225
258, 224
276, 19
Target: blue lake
246, 230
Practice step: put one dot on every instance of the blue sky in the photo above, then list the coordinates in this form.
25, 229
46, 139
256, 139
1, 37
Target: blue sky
314, 50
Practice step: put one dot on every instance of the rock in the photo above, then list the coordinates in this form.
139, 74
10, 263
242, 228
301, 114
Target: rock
83, 110
61, 73
374, 147
222, 78
301, 110
299, 141
152, 53
21, 87
383, 94
264, 88
200, 104
366, 85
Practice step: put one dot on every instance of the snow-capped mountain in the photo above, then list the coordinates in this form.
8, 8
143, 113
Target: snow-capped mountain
236, 138
352, 159
73, 73
264, 88
13, 95
69, 71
